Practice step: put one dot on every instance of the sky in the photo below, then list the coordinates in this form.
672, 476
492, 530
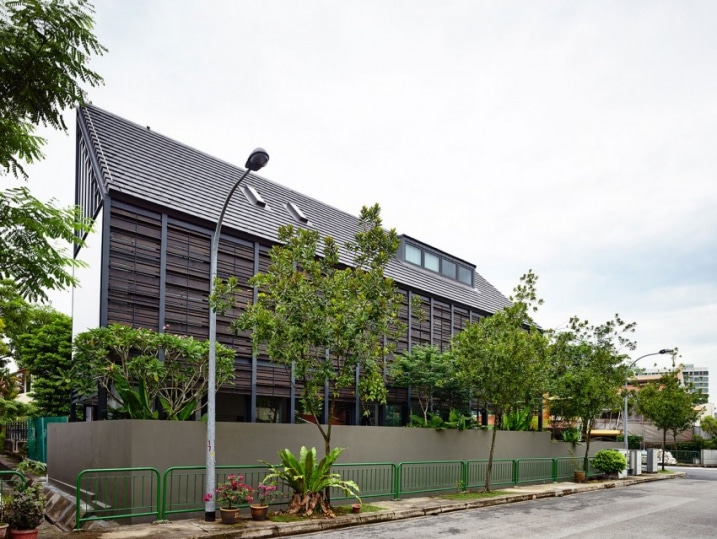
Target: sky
574, 138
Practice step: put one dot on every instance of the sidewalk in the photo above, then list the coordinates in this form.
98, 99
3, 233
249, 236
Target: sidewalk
392, 510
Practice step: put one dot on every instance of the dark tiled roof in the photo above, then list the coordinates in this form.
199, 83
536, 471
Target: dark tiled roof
141, 163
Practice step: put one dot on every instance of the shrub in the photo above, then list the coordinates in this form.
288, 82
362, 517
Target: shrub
26, 509
609, 461
309, 478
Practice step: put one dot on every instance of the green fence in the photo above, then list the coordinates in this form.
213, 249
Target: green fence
37, 436
183, 487
117, 493
104, 494
376, 479
9, 480
429, 476
687, 457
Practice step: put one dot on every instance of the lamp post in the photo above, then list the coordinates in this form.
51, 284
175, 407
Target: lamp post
257, 159
624, 422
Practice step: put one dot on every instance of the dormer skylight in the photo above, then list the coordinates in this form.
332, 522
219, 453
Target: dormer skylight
296, 213
253, 196
426, 257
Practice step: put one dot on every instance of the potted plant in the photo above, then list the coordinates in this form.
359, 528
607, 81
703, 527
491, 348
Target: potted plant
610, 462
25, 511
230, 495
3, 521
264, 495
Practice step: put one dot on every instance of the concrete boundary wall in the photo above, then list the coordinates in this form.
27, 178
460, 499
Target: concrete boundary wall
73, 447
709, 457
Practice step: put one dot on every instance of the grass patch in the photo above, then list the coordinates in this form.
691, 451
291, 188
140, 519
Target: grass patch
346, 509
665, 471
473, 495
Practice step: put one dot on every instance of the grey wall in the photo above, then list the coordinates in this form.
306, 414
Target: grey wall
73, 447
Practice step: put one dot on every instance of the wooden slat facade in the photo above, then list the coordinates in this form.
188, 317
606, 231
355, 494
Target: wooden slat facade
155, 258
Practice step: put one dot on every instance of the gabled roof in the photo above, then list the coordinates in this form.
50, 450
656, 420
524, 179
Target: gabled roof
143, 164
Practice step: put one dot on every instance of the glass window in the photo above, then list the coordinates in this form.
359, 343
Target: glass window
432, 262
465, 275
413, 254
449, 269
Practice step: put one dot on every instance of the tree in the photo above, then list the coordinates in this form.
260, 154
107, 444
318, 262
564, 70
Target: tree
709, 425
425, 370
46, 46
588, 371
669, 405
504, 357
328, 322
29, 252
141, 367
44, 350
39, 341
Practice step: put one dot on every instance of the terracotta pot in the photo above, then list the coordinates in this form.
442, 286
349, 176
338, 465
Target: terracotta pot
229, 516
579, 476
24, 534
4, 531
259, 512
356, 508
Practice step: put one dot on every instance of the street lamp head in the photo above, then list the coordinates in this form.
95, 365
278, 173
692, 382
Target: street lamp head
257, 159
666, 351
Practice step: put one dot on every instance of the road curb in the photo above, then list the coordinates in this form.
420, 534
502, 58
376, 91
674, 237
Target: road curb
394, 510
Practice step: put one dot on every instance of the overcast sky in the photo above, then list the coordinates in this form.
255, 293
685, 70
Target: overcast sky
573, 138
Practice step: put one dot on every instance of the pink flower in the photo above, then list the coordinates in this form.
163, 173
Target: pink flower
207, 496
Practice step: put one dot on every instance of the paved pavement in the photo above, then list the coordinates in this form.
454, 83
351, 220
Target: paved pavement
391, 510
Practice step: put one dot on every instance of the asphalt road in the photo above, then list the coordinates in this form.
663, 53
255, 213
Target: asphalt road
681, 508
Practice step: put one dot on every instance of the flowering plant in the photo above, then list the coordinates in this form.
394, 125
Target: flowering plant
266, 493
234, 492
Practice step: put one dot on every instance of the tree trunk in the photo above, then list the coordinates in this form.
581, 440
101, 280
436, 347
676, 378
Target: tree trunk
489, 469
664, 443
586, 461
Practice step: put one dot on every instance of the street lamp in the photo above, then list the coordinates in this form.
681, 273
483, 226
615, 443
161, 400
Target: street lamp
257, 159
624, 422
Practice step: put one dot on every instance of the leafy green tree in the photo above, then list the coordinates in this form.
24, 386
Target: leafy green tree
46, 47
30, 254
143, 366
425, 370
44, 350
669, 405
588, 371
504, 357
709, 425
326, 321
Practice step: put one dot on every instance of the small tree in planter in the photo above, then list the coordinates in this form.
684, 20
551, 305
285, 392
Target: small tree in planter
609, 461
26, 509
309, 479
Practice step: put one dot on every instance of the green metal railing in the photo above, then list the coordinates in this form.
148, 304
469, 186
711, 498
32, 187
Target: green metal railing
375, 479
115, 493
687, 457
429, 476
501, 474
183, 487
8, 478
534, 471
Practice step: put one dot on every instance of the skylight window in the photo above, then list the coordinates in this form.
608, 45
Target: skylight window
296, 212
254, 196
